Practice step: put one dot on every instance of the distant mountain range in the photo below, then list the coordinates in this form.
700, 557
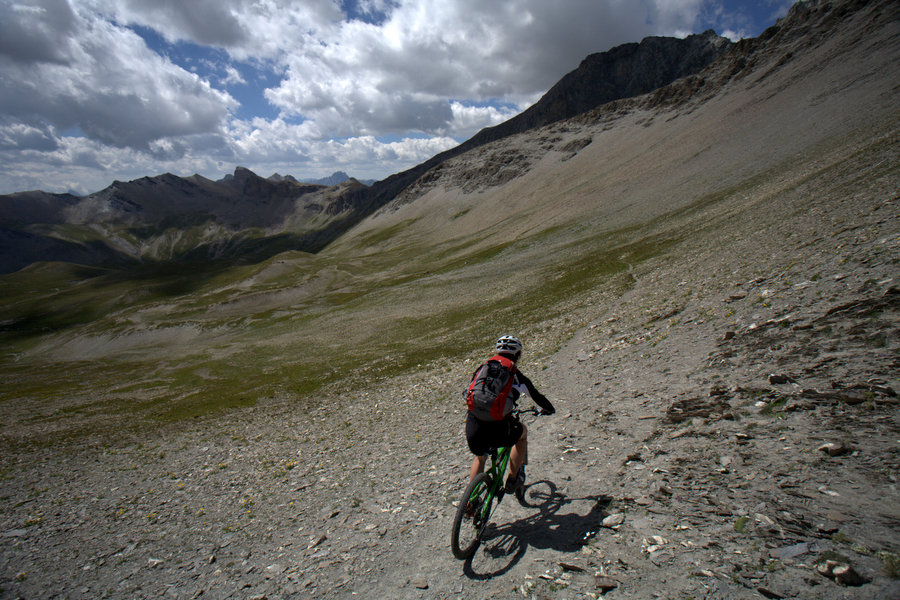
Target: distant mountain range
245, 217
336, 178
162, 218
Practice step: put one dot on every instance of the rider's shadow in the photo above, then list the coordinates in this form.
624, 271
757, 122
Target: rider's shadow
505, 545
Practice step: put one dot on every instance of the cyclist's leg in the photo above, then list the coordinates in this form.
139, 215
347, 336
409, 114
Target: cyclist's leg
477, 466
518, 454
475, 439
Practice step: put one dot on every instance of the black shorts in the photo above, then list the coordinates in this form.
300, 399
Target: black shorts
483, 435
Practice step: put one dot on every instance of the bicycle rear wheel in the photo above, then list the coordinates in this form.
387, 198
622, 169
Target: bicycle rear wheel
471, 514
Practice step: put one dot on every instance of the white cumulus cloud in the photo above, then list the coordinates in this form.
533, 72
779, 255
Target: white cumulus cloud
103, 81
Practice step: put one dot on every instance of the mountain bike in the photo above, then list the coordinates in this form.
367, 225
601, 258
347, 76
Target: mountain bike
482, 496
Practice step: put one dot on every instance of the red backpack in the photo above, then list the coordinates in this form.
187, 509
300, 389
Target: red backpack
488, 395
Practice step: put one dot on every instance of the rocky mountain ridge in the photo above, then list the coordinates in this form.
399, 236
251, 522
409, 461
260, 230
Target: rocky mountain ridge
714, 63
624, 71
337, 178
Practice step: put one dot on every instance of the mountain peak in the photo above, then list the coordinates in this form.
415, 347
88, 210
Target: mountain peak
277, 177
336, 178
243, 173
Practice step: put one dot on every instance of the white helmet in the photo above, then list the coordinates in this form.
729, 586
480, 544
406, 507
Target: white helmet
509, 344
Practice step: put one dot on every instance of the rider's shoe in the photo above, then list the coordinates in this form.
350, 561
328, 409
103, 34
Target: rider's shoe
514, 484
472, 508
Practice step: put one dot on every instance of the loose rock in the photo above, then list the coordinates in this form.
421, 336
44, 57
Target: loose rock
842, 573
834, 448
613, 521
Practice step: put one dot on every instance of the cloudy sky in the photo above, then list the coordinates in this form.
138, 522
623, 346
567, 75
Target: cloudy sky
97, 90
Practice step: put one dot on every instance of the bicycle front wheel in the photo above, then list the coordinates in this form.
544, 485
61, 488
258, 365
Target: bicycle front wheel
471, 514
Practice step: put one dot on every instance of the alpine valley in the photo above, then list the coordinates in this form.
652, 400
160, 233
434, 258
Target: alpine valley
250, 388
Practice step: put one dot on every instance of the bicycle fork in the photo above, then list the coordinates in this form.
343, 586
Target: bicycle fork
486, 510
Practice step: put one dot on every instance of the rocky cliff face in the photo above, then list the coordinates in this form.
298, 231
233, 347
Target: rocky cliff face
623, 72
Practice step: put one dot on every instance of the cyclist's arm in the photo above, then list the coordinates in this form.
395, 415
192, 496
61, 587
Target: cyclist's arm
538, 397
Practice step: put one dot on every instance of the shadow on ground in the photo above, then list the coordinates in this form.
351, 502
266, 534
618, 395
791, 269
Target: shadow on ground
550, 527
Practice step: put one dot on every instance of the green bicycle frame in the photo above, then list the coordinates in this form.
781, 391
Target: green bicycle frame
498, 462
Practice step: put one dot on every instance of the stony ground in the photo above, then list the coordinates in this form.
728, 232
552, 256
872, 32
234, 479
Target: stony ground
727, 428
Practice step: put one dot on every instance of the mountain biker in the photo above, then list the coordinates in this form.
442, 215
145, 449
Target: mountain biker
482, 435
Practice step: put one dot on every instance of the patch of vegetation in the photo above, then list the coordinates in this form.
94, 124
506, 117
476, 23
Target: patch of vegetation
890, 563
740, 525
840, 538
774, 565
860, 549
384, 234
774, 407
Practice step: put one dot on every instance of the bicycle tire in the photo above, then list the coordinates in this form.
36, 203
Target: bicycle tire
466, 525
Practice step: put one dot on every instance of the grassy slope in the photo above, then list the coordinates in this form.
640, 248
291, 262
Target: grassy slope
437, 278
